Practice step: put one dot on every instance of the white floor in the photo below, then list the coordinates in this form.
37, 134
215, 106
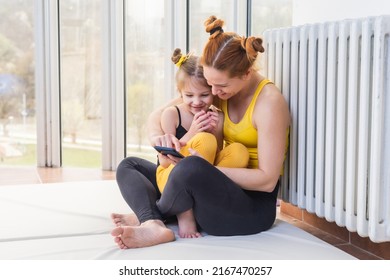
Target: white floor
71, 221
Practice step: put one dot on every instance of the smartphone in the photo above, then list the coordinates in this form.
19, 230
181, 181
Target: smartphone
168, 151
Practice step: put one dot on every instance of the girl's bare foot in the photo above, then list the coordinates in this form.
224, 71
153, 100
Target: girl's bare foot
187, 225
149, 233
125, 219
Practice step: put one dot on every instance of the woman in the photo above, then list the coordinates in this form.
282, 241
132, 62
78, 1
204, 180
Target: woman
226, 201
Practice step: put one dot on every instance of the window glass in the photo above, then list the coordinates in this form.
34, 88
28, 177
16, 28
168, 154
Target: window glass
270, 14
17, 96
81, 83
145, 56
200, 10
266, 14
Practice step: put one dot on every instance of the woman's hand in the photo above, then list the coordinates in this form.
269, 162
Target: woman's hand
166, 140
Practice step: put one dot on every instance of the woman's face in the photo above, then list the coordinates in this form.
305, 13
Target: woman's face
196, 96
221, 85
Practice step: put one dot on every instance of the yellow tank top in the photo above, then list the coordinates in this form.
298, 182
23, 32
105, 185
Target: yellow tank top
243, 132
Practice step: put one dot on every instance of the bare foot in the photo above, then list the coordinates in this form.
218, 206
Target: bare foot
187, 225
149, 233
125, 219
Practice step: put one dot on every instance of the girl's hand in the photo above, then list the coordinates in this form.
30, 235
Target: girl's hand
174, 160
213, 119
204, 121
199, 123
166, 160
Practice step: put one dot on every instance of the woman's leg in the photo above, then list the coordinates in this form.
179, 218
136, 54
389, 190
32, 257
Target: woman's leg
137, 182
136, 179
220, 206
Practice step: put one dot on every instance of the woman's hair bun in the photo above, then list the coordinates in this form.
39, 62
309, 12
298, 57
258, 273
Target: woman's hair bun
214, 26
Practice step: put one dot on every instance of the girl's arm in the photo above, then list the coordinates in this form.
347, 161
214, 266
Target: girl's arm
156, 135
169, 122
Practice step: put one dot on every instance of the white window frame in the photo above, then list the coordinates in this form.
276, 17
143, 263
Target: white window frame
241, 17
113, 83
47, 83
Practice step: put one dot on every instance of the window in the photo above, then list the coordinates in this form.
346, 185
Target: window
17, 97
270, 14
145, 56
81, 82
200, 10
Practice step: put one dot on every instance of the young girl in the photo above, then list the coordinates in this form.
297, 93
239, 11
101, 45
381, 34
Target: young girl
198, 128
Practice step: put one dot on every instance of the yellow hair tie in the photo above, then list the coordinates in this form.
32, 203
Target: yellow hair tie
183, 59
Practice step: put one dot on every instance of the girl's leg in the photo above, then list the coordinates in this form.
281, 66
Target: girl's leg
220, 206
235, 155
136, 178
204, 143
187, 225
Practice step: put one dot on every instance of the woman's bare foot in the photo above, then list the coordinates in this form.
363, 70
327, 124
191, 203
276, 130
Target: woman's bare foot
149, 233
187, 225
125, 219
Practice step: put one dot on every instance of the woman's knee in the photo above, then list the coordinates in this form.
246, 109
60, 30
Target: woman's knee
128, 162
129, 165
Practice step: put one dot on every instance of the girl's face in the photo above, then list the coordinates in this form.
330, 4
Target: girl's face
221, 85
196, 96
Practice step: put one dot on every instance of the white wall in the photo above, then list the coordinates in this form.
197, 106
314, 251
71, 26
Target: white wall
312, 11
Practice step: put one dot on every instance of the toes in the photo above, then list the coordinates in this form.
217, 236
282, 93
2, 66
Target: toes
117, 231
190, 235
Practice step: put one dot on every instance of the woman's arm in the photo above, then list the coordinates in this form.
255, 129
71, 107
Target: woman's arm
271, 117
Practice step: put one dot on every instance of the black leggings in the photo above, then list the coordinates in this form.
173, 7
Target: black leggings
220, 206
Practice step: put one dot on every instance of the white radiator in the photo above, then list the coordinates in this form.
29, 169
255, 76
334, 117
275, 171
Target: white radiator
336, 79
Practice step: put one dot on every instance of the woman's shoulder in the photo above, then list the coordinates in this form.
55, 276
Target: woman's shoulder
270, 96
271, 102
